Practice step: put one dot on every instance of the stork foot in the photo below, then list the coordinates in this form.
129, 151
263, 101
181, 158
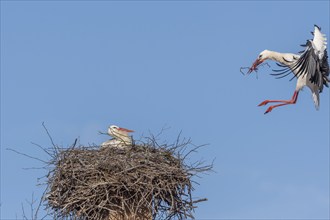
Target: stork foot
293, 100
269, 109
264, 103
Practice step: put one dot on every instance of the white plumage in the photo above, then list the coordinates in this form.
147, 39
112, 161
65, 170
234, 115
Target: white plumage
310, 67
121, 138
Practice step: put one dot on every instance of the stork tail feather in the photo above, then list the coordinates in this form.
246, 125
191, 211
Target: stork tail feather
316, 99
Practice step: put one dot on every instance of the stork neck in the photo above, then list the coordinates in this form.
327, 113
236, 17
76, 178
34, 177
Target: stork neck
125, 139
282, 58
276, 56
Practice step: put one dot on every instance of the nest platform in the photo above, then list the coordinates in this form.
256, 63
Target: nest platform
143, 181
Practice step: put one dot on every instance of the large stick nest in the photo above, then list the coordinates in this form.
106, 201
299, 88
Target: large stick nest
143, 181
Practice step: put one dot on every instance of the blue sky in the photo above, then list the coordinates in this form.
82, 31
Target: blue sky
80, 66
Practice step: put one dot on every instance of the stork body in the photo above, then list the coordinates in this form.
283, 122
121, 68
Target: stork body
121, 138
311, 68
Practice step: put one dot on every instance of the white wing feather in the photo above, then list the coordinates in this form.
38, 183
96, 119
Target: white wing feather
319, 42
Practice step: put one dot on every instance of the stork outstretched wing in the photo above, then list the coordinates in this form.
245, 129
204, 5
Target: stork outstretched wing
313, 61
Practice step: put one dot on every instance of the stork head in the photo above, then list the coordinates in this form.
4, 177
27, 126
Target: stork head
264, 55
118, 132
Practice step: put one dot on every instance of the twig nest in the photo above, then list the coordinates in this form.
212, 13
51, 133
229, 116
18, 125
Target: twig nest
137, 182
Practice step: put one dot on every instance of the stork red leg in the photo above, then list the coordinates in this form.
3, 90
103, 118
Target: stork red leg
293, 100
294, 97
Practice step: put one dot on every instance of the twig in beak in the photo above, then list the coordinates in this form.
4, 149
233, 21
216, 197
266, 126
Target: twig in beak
101, 133
243, 72
254, 68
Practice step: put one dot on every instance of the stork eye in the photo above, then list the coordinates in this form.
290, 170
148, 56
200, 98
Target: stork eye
260, 56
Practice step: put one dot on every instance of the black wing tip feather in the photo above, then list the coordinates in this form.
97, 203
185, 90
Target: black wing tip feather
287, 60
281, 73
318, 27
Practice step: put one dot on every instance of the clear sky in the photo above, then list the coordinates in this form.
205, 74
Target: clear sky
80, 66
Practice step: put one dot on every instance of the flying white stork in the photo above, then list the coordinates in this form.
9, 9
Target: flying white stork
310, 66
121, 137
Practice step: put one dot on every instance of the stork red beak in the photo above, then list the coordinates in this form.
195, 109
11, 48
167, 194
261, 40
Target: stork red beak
125, 129
255, 65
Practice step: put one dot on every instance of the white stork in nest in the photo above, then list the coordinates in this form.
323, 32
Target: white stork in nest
310, 67
121, 137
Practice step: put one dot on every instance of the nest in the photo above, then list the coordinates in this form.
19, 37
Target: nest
143, 181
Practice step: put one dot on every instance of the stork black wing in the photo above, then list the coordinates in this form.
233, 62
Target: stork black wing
325, 69
308, 63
